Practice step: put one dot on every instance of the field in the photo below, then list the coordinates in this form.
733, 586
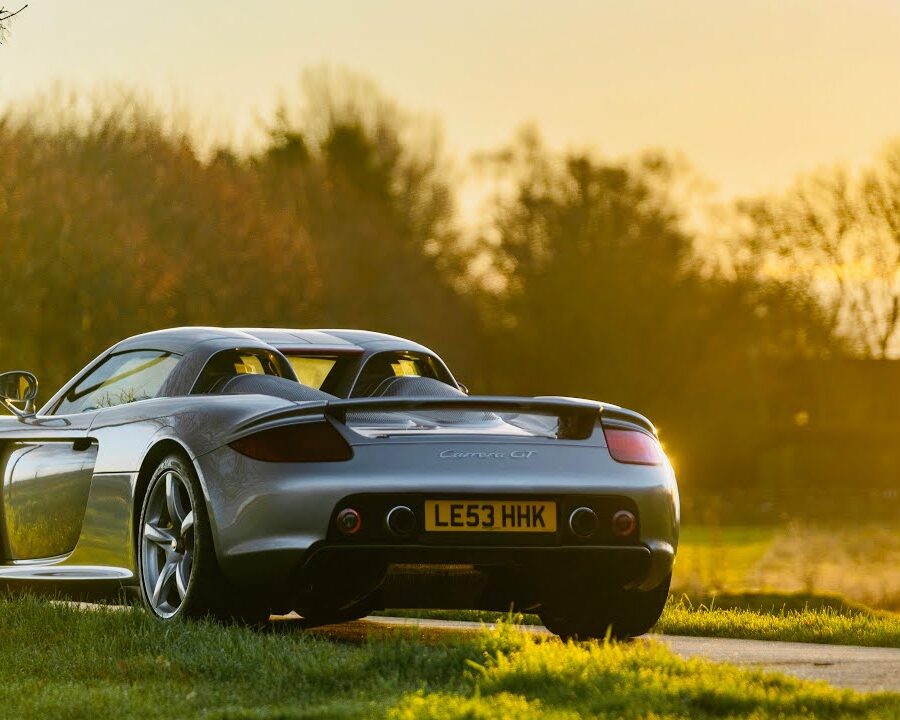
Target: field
860, 564
62, 662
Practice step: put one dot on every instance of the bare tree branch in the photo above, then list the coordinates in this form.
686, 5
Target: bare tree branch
5, 17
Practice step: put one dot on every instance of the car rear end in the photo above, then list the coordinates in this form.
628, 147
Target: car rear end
425, 503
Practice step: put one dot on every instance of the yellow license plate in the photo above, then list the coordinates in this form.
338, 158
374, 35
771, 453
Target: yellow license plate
489, 516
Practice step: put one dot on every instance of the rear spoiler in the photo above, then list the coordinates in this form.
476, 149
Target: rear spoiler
577, 417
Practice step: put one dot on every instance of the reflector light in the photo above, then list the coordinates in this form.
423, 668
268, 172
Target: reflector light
348, 521
633, 446
303, 442
624, 523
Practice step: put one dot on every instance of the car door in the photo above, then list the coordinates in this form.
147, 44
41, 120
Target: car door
48, 463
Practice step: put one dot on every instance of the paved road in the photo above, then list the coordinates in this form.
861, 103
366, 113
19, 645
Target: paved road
862, 668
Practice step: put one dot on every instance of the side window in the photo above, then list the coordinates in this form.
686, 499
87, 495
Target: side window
122, 378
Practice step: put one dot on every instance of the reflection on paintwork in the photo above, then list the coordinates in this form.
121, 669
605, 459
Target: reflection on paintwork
45, 493
62, 572
107, 534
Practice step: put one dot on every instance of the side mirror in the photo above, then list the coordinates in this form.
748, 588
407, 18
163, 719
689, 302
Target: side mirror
18, 388
462, 387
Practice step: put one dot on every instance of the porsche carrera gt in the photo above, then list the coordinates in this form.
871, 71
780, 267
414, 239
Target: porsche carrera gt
240, 473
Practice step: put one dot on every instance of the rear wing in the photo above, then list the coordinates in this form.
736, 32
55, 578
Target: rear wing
577, 417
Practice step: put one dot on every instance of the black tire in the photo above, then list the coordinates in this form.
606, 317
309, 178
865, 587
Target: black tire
620, 613
200, 590
314, 617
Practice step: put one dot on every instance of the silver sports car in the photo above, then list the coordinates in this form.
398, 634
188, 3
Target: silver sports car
238, 473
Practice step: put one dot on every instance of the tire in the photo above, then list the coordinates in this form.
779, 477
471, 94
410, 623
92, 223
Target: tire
621, 613
322, 616
177, 566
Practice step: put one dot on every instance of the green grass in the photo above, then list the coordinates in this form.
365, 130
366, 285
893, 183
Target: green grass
816, 626
772, 616
61, 662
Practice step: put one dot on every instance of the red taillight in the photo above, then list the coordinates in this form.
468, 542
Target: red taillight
633, 446
623, 523
348, 521
304, 442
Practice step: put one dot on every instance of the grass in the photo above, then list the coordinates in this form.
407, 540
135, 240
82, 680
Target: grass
712, 558
824, 625
785, 617
62, 662
860, 563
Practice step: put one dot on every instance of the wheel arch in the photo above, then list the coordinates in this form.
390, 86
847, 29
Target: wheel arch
154, 455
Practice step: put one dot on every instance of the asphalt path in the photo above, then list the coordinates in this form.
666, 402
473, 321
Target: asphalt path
865, 669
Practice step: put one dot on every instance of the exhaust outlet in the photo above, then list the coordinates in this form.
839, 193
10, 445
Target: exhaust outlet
583, 522
401, 521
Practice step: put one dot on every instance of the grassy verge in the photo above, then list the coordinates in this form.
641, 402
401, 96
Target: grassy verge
861, 562
823, 625
786, 617
62, 662
720, 557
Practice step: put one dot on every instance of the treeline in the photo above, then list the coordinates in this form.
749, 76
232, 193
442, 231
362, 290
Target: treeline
585, 278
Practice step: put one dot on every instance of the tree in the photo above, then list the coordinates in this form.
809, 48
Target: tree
837, 235
118, 227
605, 297
369, 183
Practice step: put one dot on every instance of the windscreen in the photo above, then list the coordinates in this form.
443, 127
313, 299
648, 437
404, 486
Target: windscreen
312, 370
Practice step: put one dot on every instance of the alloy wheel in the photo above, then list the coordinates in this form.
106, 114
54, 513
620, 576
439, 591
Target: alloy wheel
167, 544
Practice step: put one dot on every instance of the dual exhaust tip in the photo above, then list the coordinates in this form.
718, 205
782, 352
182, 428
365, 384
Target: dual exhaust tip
583, 522
401, 522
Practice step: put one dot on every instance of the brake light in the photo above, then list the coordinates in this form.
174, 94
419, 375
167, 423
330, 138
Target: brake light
303, 442
633, 446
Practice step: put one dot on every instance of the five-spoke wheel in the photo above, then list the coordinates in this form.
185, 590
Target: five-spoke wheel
167, 542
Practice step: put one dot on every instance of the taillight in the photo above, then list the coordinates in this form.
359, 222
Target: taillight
303, 442
633, 446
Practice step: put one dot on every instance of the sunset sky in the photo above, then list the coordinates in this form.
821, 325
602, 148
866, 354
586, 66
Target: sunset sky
751, 92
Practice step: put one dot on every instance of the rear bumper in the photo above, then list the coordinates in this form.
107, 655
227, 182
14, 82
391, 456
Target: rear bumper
334, 577
359, 568
273, 522
639, 566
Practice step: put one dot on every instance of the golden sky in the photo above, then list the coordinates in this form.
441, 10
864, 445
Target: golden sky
751, 91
